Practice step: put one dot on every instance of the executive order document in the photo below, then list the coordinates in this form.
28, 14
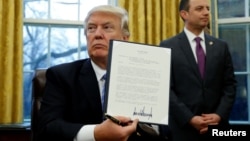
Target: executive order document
138, 81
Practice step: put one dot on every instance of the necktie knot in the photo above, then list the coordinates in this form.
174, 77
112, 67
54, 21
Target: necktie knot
104, 77
197, 39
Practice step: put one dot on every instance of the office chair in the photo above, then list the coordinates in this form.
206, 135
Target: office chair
38, 84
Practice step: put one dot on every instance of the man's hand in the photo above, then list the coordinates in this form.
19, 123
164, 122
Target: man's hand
198, 122
211, 119
110, 131
201, 122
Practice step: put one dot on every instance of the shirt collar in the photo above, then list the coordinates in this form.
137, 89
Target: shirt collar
191, 36
98, 71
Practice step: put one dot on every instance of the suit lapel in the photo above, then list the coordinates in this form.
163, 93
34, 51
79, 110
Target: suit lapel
210, 46
91, 90
186, 48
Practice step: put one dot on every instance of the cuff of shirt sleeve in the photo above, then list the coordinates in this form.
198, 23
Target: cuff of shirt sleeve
86, 133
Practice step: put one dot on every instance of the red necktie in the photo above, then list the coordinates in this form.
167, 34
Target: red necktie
200, 56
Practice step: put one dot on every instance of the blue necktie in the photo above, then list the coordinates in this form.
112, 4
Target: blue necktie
200, 56
103, 90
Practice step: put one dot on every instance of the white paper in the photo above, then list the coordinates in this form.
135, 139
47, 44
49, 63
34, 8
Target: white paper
139, 81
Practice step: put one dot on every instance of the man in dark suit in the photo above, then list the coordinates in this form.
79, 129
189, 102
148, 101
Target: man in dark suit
198, 98
71, 109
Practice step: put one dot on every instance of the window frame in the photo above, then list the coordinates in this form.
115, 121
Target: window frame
215, 22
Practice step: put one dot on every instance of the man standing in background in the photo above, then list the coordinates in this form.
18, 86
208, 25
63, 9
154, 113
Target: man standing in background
203, 85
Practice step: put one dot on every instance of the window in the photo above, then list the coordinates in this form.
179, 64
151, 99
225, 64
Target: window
52, 34
234, 27
231, 8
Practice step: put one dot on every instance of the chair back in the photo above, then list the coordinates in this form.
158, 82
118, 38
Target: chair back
38, 84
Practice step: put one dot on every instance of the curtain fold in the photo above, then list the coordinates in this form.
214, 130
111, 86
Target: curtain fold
11, 81
151, 21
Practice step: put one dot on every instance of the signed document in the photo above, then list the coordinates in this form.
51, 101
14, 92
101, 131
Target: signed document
138, 81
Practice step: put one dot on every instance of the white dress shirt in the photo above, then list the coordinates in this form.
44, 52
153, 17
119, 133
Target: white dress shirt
192, 42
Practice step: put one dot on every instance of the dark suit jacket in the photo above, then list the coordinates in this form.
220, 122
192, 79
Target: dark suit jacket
190, 94
71, 100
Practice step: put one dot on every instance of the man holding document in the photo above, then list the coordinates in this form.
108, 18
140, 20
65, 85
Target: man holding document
71, 109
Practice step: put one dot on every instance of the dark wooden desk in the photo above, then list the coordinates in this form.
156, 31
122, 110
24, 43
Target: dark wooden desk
16, 132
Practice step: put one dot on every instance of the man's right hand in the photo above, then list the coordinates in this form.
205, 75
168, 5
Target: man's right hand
199, 123
110, 131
